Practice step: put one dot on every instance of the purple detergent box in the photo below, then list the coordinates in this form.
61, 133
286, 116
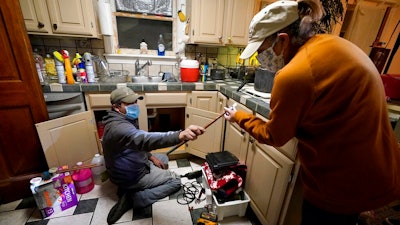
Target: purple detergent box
55, 195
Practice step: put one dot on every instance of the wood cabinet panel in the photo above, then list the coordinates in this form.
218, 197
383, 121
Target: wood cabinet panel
236, 139
220, 22
60, 17
267, 181
165, 99
68, 140
211, 140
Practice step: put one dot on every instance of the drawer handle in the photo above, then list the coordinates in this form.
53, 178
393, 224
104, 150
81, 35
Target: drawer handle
55, 26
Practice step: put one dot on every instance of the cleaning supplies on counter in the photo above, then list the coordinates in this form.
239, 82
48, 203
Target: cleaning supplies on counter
161, 46
68, 67
83, 179
87, 58
99, 172
40, 66
50, 67
143, 47
80, 67
59, 62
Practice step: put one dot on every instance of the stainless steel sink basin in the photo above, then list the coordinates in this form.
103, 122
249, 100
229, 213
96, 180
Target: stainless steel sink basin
145, 79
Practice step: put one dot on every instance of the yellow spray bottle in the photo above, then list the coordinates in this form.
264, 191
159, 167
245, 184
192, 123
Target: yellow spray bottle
68, 68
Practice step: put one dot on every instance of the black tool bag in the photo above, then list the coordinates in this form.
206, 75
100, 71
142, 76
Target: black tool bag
220, 161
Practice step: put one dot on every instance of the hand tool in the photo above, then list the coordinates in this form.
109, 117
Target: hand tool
205, 127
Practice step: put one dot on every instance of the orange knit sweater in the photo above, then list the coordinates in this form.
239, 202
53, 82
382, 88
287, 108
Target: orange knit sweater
330, 96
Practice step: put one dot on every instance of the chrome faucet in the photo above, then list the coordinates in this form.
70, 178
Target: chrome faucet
139, 69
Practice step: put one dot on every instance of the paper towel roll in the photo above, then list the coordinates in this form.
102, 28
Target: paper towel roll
104, 11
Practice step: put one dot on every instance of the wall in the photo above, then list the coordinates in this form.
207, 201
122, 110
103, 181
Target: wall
49, 44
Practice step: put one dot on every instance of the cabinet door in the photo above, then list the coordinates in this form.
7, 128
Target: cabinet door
267, 180
207, 18
68, 140
72, 17
238, 15
211, 140
205, 100
236, 139
35, 15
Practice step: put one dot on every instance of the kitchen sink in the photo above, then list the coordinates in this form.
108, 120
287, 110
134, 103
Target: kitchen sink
145, 79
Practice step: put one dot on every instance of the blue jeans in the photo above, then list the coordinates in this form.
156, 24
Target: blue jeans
156, 185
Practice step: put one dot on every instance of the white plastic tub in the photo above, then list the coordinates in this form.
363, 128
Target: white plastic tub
232, 208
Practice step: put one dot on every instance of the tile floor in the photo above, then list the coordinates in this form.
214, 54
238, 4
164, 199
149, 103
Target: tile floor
93, 207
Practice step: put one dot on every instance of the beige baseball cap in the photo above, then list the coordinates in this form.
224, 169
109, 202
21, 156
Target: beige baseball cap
268, 21
124, 94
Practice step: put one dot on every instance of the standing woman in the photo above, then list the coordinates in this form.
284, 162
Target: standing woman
329, 95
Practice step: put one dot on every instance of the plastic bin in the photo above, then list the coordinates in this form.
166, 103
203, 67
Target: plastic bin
232, 208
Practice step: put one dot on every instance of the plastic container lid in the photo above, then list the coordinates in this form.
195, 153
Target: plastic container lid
36, 181
188, 63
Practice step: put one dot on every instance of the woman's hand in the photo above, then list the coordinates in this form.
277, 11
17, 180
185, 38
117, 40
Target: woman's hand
157, 162
191, 133
230, 114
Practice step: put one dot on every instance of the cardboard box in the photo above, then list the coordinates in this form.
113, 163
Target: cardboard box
55, 195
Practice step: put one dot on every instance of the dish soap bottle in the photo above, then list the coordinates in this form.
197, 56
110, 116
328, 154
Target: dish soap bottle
161, 46
143, 47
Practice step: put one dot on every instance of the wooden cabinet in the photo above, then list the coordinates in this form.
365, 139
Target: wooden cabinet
268, 176
202, 108
70, 139
237, 139
220, 22
60, 17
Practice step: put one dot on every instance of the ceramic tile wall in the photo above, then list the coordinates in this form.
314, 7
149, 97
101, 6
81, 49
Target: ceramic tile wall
46, 45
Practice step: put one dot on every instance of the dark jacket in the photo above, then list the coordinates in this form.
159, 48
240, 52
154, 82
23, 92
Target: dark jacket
127, 148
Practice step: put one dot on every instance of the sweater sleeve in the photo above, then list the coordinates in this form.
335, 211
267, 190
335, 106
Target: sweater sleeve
291, 97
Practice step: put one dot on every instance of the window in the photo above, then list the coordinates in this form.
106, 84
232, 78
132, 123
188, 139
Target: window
131, 31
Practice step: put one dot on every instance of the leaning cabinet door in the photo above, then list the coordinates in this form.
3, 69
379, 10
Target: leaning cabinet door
267, 180
68, 140
211, 140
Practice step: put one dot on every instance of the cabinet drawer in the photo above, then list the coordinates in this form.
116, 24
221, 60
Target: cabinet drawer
98, 101
165, 99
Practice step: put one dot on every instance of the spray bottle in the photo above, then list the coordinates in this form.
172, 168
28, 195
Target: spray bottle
87, 58
68, 68
59, 61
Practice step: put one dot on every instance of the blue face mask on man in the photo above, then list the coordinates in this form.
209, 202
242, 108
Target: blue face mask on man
132, 111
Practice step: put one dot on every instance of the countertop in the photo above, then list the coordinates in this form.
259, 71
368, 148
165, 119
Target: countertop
227, 87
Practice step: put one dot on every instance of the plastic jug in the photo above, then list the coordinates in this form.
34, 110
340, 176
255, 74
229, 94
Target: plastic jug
83, 180
100, 174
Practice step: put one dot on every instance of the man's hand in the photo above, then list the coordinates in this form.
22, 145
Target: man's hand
157, 162
191, 133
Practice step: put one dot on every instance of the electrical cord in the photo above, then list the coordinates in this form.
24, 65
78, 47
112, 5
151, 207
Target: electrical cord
190, 191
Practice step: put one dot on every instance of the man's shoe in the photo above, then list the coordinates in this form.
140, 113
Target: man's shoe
124, 203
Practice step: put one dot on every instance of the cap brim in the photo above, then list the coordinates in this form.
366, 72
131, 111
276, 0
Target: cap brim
250, 49
131, 98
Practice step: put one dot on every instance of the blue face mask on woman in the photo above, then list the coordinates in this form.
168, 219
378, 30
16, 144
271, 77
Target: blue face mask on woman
132, 111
